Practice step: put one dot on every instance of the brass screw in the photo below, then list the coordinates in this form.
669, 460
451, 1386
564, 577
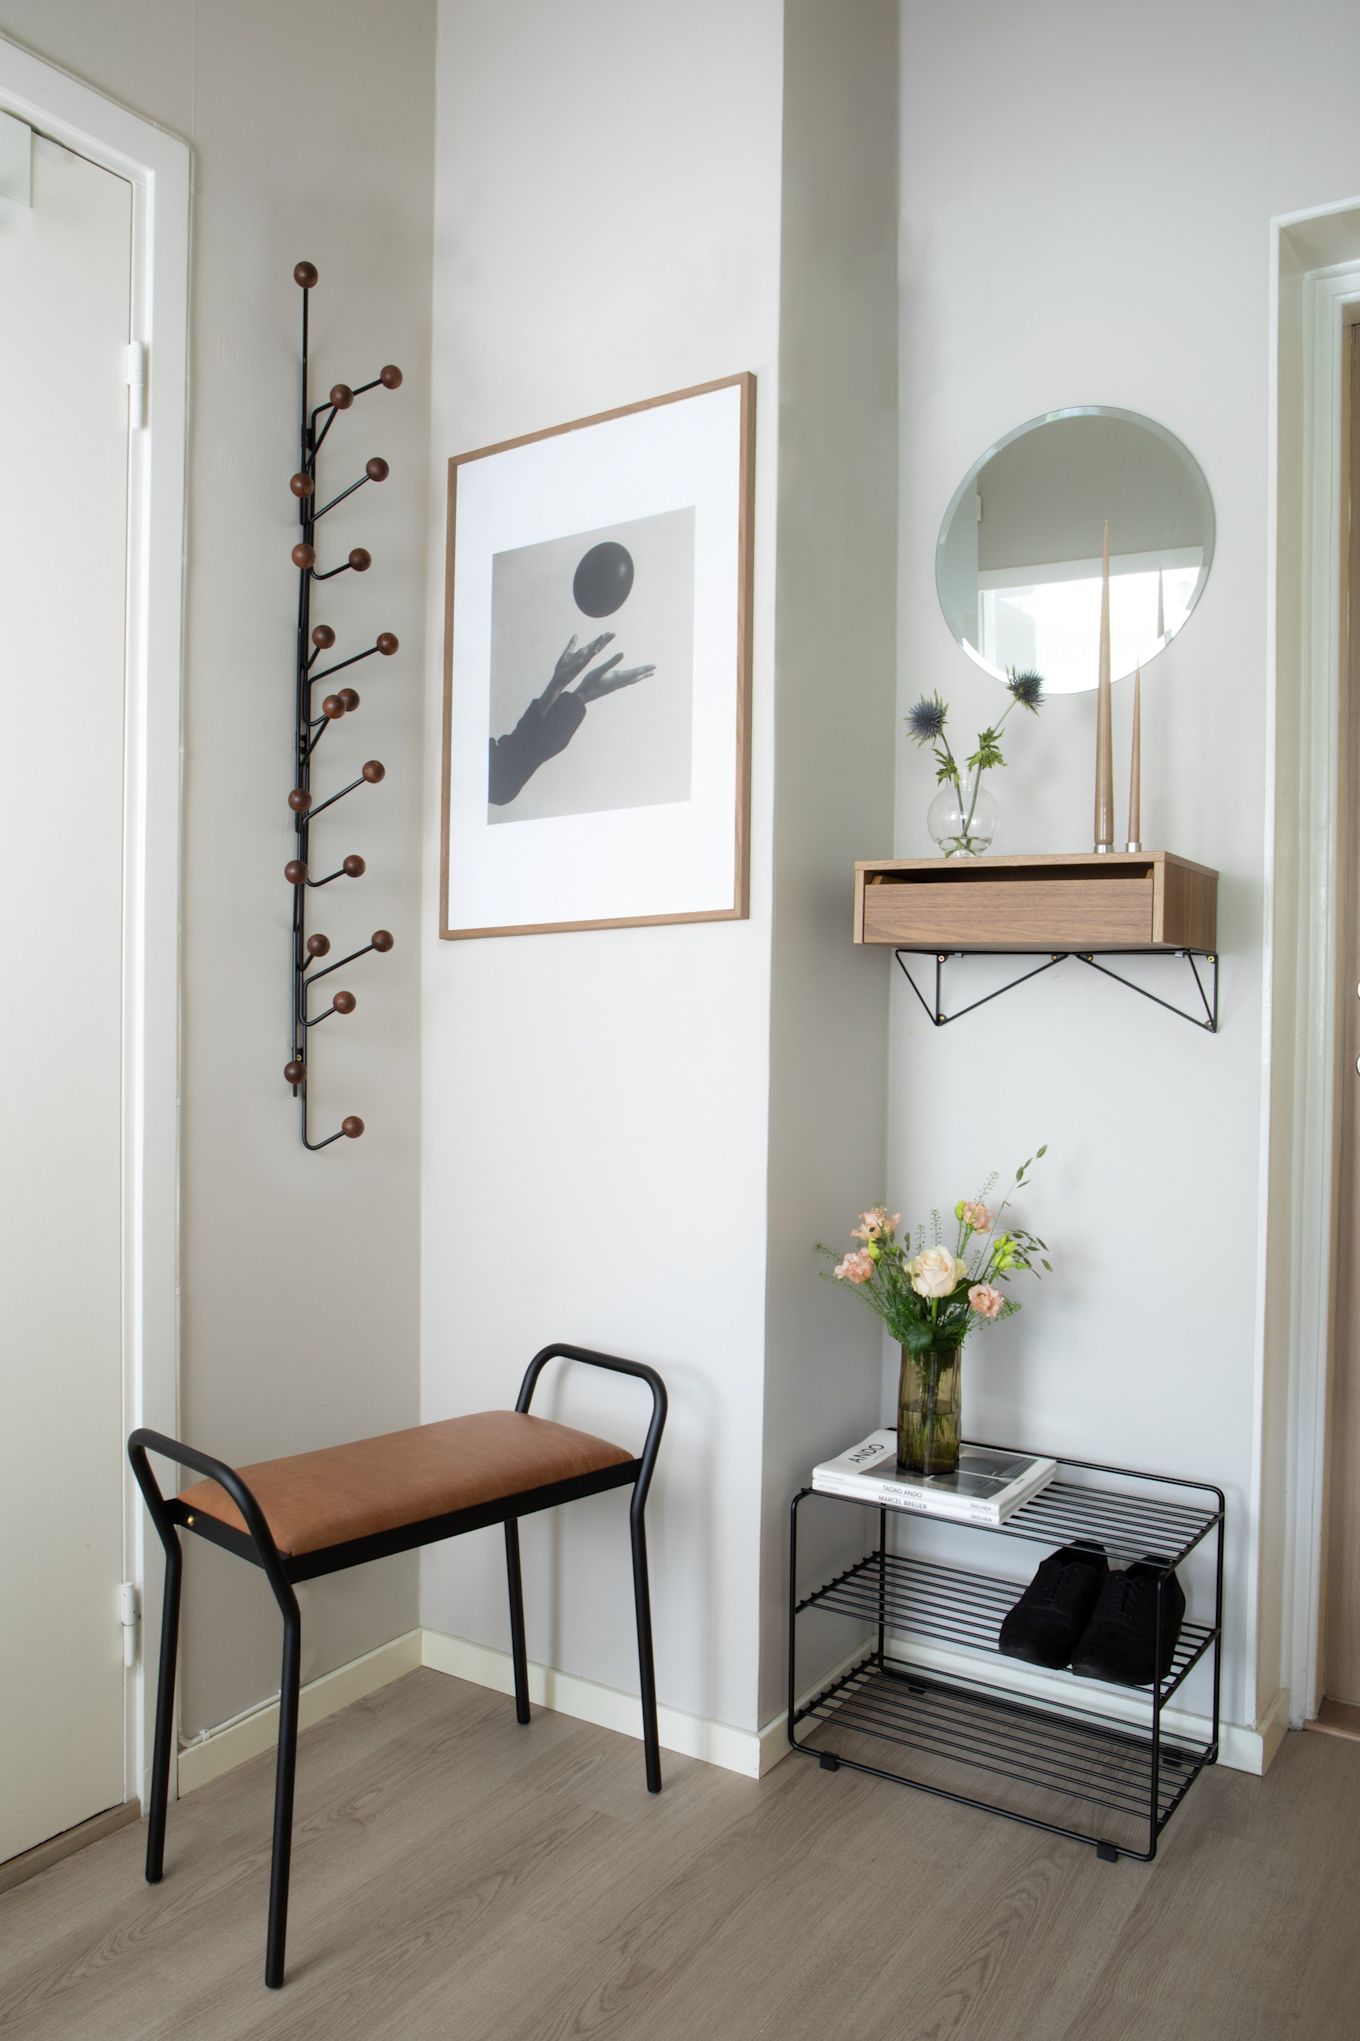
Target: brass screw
189, 1523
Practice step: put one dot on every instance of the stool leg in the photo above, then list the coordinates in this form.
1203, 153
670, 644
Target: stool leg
165, 1713
284, 1778
518, 1651
642, 1601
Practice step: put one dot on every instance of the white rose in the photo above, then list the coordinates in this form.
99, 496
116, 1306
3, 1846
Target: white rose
936, 1272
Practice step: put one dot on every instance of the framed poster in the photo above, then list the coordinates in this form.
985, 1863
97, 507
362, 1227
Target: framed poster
597, 684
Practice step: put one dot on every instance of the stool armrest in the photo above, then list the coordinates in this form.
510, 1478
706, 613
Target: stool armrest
143, 1441
616, 1365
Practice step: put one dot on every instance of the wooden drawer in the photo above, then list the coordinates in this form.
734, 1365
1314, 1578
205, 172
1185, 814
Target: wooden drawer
1011, 914
1122, 901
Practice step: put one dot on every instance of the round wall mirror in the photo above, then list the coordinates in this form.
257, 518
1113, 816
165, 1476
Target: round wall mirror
1018, 564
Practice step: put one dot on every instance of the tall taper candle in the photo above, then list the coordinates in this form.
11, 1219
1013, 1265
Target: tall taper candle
1104, 731
1136, 767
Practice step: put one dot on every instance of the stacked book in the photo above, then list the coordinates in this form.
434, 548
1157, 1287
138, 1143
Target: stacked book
989, 1486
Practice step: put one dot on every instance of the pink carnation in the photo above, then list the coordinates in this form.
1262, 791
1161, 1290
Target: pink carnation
986, 1301
877, 1224
857, 1266
978, 1216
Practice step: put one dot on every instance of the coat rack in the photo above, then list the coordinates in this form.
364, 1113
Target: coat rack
312, 642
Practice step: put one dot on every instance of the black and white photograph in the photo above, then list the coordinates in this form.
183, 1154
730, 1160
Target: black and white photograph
607, 727
597, 670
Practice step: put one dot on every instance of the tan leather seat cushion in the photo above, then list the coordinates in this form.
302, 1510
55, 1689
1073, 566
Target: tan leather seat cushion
312, 1500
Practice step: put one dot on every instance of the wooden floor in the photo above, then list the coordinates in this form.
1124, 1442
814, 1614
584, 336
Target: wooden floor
459, 1879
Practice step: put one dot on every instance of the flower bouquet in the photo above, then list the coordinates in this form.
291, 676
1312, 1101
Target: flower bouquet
931, 1299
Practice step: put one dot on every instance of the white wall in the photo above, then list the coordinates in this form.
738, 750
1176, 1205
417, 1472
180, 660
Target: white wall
634, 1137
312, 137
1120, 256
607, 229
836, 613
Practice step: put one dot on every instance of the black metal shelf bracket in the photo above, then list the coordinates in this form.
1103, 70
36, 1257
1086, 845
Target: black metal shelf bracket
308, 730
1206, 980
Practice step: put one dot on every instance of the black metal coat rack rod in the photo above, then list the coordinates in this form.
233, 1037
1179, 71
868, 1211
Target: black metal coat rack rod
314, 640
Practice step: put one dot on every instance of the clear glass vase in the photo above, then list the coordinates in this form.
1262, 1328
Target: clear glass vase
929, 1398
963, 820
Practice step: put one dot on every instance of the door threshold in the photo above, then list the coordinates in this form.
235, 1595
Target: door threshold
30, 1862
1336, 1718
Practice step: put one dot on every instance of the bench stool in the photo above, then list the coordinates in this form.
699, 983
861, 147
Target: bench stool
317, 1513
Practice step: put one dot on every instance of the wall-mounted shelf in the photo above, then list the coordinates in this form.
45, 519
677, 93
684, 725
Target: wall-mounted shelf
1120, 904
1123, 900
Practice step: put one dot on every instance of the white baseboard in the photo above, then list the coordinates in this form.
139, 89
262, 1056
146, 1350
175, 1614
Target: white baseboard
231, 1743
751, 1753
691, 1736
1270, 1732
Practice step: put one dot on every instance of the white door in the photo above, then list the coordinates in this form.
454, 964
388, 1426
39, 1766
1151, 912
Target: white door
65, 268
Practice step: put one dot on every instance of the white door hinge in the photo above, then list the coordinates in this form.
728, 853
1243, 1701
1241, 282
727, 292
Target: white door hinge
136, 382
129, 1616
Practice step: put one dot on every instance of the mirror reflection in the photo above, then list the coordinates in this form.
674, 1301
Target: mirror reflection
1018, 564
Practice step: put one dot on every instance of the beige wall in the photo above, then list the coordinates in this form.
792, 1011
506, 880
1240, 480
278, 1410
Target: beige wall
312, 134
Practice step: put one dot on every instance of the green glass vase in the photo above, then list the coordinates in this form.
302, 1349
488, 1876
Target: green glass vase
929, 1396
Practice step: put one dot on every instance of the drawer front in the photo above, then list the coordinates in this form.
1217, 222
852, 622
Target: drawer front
1011, 913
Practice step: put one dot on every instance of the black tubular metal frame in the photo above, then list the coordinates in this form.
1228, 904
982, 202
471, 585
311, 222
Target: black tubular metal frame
309, 729
1120, 1763
1206, 1018
283, 1572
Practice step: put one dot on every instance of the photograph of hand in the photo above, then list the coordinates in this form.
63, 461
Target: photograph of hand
553, 718
548, 755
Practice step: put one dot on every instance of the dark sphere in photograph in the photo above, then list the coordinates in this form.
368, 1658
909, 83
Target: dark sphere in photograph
604, 579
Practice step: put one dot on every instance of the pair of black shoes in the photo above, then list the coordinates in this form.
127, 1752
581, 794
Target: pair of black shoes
1077, 1612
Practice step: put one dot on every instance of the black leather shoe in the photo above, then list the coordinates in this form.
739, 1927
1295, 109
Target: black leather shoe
1120, 1640
1046, 1623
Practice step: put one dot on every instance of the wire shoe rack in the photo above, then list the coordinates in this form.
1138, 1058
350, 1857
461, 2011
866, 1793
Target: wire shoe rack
1099, 1767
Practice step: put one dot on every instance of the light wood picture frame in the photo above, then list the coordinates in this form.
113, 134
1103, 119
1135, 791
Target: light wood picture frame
597, 671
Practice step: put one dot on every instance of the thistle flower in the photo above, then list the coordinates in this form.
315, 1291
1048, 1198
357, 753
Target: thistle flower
1028, 690
925, 723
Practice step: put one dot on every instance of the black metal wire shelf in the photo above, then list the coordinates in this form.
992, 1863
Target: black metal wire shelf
921, 1599
958, 1735
1071, 1755
1128, 1526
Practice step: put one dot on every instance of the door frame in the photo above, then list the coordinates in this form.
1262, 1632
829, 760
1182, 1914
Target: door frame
1315, 301
157, 166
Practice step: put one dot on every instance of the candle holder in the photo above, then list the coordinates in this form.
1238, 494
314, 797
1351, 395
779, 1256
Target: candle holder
312, 722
